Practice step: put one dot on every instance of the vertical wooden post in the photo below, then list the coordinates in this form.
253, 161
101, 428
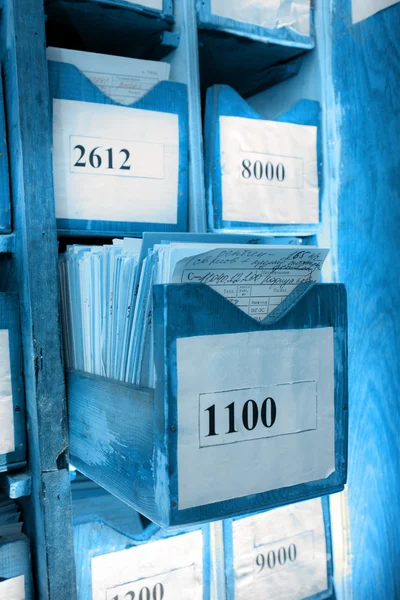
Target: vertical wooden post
49, 523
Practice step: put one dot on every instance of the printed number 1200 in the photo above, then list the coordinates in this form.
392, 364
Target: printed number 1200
157, 593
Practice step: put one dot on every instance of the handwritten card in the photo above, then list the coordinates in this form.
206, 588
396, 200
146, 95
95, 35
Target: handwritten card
124, 80
256, 280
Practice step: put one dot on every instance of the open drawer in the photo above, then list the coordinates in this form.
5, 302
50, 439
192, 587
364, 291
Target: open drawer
246, 415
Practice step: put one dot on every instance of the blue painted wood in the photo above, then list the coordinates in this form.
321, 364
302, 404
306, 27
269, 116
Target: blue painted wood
230, 575
5, 207
185, 69
15, 560
224, 101
34, 271
9, 319
7, 243
193, 313
138, 464
16, 485
68, 83
365, 113
109, 27
95, 538
247, 57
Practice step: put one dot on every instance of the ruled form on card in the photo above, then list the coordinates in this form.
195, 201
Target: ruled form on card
124, 80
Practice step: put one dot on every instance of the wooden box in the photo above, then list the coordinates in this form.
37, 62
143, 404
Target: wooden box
252, 45
284, 553
139, 182
169, 453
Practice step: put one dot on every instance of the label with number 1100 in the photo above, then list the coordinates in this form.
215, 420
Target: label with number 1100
253, 413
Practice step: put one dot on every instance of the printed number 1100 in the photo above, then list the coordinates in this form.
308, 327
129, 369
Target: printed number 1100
250, 416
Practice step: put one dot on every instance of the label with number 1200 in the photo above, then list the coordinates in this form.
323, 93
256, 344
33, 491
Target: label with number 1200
158, 570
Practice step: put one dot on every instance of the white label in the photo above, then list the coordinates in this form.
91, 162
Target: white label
7, 442
271, 14
363, 9
256, 413
13, 589
281, 554
170, 568
269, 171
113, 163
160, 587
301, 363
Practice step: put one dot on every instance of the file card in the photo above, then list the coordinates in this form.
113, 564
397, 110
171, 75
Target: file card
119, 145
260, 173
107, 294
280, 554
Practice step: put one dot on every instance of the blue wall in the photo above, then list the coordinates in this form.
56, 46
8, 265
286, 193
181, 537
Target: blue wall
366, 78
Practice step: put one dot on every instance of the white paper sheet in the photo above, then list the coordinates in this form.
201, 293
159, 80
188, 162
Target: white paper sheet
256, 280
144, 147
176, 563
269, 171
7, 441
246, 361
281, 554
271, 14
362, 9
13, 589
124, 80
156, 4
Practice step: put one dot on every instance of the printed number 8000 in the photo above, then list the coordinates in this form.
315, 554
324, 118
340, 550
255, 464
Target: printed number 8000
260, 171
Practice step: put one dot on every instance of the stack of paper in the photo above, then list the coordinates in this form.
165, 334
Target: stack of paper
109, 327
97, 291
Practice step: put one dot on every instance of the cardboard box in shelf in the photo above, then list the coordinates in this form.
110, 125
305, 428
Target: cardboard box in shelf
15, 567
122, 27
110, 562
252, 45
261, 175
246, 415
285, 553
12, 400
119, 168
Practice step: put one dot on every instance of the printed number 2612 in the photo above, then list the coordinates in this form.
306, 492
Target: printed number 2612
108, 158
